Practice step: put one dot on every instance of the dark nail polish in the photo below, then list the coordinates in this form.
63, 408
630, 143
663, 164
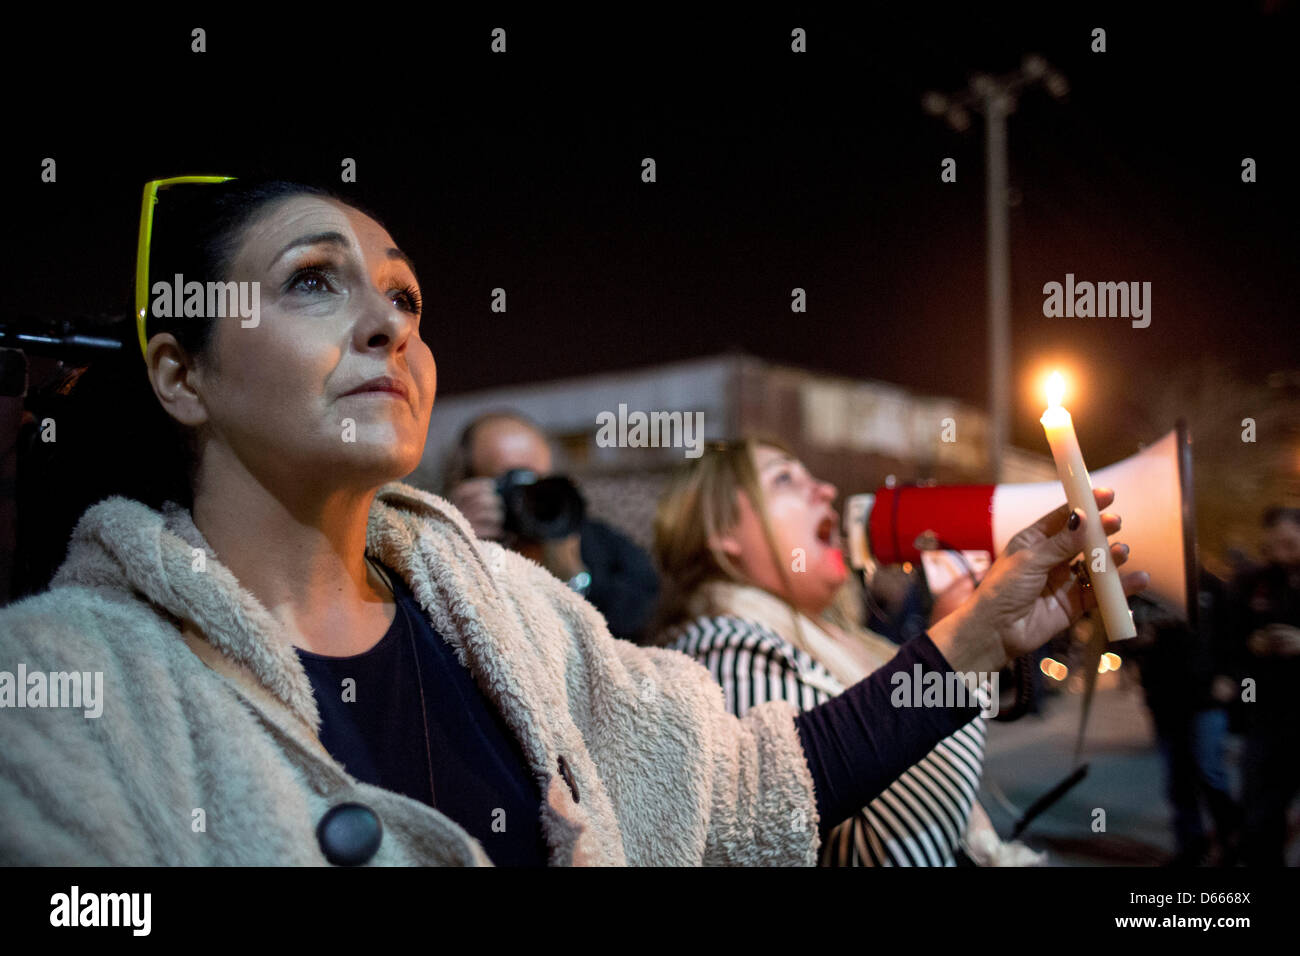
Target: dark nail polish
1073, 523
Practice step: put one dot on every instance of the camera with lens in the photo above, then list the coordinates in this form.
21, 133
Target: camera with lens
540, 509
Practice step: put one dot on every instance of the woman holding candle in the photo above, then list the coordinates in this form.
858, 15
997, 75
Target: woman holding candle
305, 661
722, 532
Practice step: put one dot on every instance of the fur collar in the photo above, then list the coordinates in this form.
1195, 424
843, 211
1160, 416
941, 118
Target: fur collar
162, 556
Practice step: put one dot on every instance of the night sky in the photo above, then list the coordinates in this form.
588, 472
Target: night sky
775, 170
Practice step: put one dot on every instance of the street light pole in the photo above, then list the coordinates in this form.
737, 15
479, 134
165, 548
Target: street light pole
998, 264
995, 97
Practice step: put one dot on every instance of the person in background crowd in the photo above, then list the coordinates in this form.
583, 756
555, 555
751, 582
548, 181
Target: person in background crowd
597, 561
897, 603
1266, 625
749, 546
1184, 675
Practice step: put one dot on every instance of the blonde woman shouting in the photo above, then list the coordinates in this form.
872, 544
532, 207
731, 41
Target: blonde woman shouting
725, 534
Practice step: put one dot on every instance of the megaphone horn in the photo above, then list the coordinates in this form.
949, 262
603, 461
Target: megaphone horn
1153, 493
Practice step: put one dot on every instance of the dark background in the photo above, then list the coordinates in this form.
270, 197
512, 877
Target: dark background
775, 170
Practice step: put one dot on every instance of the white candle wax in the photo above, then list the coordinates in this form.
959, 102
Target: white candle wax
1115, 613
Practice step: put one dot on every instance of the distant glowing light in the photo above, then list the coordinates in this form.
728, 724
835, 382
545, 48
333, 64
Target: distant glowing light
1053, 669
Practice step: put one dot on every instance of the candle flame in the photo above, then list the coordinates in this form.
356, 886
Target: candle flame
1055, 389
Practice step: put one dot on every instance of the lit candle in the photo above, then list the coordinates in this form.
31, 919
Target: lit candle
1106, 586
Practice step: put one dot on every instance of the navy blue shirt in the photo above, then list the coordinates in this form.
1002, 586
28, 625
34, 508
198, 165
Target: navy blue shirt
375, 727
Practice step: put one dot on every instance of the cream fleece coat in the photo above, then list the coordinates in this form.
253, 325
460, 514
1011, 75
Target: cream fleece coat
207, 750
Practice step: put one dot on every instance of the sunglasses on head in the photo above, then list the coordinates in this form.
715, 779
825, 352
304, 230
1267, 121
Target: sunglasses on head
151, 190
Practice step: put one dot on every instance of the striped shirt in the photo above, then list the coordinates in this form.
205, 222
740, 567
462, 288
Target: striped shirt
919, 820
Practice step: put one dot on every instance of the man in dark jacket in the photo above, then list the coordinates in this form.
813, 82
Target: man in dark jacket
1267, 627
599, 562
1185, 676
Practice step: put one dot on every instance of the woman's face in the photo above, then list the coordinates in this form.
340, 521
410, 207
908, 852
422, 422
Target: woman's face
340, 307
806, 529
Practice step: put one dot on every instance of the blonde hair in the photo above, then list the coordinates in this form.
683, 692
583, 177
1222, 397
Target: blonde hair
699, 506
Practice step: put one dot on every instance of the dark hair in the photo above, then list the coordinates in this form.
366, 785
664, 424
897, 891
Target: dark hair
1275, 515
113, 436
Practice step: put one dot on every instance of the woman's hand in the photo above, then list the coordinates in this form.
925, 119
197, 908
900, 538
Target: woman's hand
1029, 594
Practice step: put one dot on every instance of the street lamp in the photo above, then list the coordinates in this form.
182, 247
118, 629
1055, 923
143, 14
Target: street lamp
995, 97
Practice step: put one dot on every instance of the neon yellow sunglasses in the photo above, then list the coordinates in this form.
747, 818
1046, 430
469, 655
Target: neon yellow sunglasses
146, 236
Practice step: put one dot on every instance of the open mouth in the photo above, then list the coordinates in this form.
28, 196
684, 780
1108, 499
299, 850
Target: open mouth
828, 531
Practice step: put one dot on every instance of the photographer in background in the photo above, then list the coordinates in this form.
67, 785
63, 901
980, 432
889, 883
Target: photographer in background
499, 477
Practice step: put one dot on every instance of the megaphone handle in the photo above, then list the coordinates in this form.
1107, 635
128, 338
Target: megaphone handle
1022, 674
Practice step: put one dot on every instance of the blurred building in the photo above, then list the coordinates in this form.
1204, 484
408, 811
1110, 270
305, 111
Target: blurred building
856, 433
